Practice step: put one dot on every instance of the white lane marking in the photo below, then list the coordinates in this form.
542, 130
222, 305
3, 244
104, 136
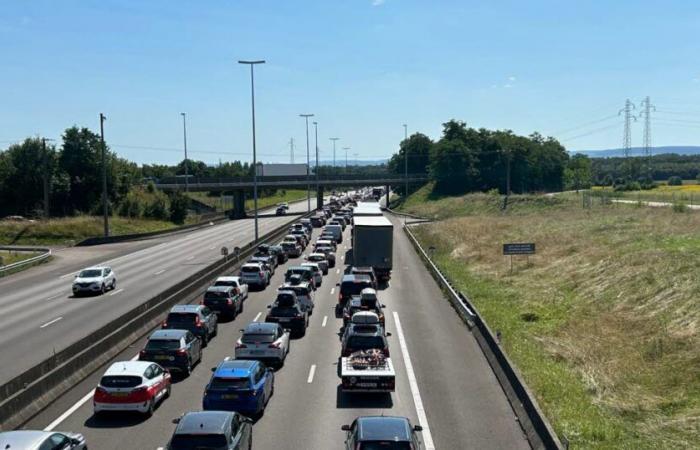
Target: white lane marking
212, 247
51, 321
118, 291
342, 258
190, 258
312, 371
54, 296
68, 275
257, 317
325, 320
413, 384
75, 407
337, 270
159, 272
332, 291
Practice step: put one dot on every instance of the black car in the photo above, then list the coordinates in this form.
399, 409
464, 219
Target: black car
356, 304
279, 252
351, 285
267, 259
369, 271
317, 221
288, 312
173, 349
198, 319
224, 300
221, 430
306, 274
382, 432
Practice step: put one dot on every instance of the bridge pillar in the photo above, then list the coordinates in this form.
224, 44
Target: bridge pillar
387, 190
319, 198
238, 211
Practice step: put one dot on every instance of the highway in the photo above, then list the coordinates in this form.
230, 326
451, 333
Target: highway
40, 314
443, 380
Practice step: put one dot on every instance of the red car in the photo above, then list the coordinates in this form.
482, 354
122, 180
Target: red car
132, 386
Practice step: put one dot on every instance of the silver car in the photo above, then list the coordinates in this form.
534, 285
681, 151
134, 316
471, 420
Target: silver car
318, 274
265, 342
94, 280
321, 260
41, 440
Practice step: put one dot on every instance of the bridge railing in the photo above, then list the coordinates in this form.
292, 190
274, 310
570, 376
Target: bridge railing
380, 178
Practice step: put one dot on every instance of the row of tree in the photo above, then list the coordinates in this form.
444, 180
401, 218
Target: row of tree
659, 167
467, 159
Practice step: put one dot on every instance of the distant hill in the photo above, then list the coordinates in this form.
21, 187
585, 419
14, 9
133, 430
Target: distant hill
639, 151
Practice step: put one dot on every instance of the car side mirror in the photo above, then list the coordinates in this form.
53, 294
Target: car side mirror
287, 330
241, 330
345, 428
269, 306
213, 369
388, 334
337, 284
176, 420
383, 305
74, 442
417, 428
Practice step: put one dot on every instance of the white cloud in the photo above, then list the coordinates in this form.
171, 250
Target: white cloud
696, 80
377, 2
507, 85
511, 78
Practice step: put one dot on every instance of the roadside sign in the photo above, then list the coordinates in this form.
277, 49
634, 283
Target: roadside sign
236, 251
520, 248
224, 251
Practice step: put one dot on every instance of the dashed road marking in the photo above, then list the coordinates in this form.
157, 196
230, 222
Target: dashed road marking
257, 317
325, 320
159, 272
312, 371
119, 291
337, 270
413, 384
54, 296
51, 322
190, 258
68, 275
332, 291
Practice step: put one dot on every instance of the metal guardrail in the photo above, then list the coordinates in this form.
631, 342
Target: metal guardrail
11, 268
25, 395
537, 428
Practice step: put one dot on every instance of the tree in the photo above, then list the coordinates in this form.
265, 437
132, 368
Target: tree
452, 163
675, 181
418, 148
81, 159
577, 174
179, 203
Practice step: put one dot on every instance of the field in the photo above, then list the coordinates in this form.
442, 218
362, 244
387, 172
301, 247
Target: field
288, 195
603, 322
688, 193
70, 230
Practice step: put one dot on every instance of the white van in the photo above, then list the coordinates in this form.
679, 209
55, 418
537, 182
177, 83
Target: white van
336, 230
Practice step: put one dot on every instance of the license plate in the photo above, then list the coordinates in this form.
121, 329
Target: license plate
367, 385
229, 396
257, 352
161, 357
119, 394
285, 320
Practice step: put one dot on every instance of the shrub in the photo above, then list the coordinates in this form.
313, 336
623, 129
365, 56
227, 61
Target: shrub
178, 207
679, 207
158, 207
675, 181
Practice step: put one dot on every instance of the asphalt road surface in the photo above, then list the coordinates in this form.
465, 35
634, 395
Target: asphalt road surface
39, 314
449, 387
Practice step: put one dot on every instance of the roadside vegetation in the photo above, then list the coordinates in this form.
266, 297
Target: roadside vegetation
265, 199
602, 323
11, 257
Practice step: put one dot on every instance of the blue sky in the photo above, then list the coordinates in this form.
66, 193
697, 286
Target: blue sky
364, 67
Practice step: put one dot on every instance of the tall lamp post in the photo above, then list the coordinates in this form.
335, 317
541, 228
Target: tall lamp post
334, 139
255, 160
316, 144
308, 163
346, 159
105, 216
184, 140
405, 160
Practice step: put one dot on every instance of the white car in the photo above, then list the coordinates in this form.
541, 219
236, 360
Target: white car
94, 280
40, 440
320, 259
255, 274
318, 273
132, 386
263, 341
234, 282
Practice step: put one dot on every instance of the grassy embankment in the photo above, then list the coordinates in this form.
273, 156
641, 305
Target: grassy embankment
688, 193
288, 195
603, 323
9, 257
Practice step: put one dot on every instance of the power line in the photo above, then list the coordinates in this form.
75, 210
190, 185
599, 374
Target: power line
588, 133
584, 125
646, 114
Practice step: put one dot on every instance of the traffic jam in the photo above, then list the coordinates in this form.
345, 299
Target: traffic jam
242, 384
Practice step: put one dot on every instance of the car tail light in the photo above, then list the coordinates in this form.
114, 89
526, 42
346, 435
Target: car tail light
100, 394
262, 275
182, 352
229, 302
274, 345
340, 297
141, 394
386, 352
198, 323
142, 354
165, 323
240, 345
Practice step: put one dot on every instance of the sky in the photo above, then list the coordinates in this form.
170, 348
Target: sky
363, 67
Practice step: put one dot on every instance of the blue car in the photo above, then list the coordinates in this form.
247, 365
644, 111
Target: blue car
241, 386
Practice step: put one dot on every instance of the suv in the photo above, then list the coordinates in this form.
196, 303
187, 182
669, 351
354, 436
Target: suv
239, 385
234, 282
318, 273
94, 280
198, 319
35, 439
223, 300
303, 291
292, 249
255, 274
328, 251
307, 224
173, 349
269, 262
317, 221
131, 386
278, 252
306, 273
358, 304
351, 285
288, 312
298, 238
364, 333
222, 430
373, 432
369, 271
321, 260
262, 341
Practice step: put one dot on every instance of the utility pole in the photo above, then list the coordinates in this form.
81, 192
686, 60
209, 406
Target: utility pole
255, 160
334, 139
647, 108
405, 160
46, 177
104, 176
308, 163
316, 134
184, 138
346, 159
627, 133
508, 158
291, 150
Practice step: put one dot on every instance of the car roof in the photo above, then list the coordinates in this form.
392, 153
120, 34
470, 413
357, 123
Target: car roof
310, 264
237, 368
260, 328
96, 268
298, 267
185, 308
362, 269
228, 278
219, 288
203, 422
290, 286
252, 264
136, 368
23, 439
317, 254
164, 335
356, 278
379, 428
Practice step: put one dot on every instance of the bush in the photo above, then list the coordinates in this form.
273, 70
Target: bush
131, 206
680, 207
157, 208
142, 203
178, 207
675, 181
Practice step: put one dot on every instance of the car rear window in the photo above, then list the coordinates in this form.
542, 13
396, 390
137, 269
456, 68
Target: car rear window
163, 344
365, 342
257, 338
385, 445
353, 287
285, 299
197, 441
225, 283
249, 269
222, 384
283, 312
215, 295
120, 381
185, 318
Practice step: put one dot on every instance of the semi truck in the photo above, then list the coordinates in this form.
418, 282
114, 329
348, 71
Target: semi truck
373, 244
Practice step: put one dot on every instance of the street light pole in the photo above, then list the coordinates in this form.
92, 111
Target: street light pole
46, 177
334, 139
104, 176
255, 160
184, 138
316, 144
308, 163
405, 160
346, 159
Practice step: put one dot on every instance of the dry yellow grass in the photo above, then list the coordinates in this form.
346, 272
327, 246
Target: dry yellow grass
603, 322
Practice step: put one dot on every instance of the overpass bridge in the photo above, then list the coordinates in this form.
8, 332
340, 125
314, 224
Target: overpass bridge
239, 186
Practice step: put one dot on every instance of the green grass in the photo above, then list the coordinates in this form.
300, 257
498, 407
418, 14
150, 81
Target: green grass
282, 195
11, 257
603, 323
70, 230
